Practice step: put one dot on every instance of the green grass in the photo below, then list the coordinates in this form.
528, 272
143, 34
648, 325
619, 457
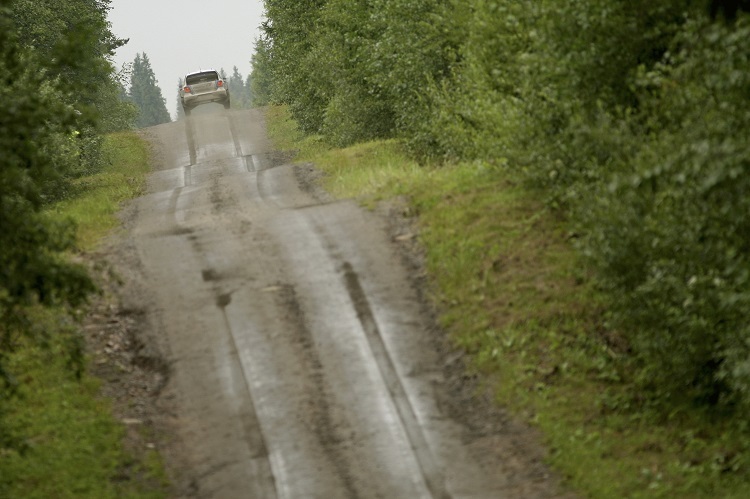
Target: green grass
59, 437
515, 295
102, 193
70, 446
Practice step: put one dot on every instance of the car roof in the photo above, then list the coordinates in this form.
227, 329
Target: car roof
207, 70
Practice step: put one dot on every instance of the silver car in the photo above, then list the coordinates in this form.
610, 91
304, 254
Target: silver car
202, 87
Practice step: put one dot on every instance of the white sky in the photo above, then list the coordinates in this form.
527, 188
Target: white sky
186, 35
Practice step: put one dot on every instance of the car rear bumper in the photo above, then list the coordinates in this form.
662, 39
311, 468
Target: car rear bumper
191, 100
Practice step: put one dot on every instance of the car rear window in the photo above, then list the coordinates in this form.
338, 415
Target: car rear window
201, 77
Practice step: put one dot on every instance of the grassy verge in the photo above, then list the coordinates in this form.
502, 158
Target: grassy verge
101, 195
64, 439
514, 293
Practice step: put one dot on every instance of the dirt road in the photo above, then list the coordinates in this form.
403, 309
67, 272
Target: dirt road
301, 360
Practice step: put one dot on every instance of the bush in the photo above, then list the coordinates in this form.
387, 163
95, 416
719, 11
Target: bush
672, 237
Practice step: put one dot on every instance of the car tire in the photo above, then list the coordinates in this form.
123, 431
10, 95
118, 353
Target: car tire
187, 110
227, 104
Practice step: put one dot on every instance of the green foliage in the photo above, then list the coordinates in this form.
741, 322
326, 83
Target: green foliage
57, 435
38, 145
58, 94
72, 40
60, 437
56, 75
115, 112
478, 110
99, 195
288, 37
357, 108
145, 94
260, 79
682, 268
241, 96
413, 46
358, 70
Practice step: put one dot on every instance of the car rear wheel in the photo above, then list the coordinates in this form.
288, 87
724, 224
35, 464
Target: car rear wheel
227, 104
187, 110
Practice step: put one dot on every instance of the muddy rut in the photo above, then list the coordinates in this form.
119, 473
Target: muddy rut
301, 360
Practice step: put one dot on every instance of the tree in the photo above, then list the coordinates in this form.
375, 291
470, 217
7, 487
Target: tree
71, 39
240, 95
62, 95
356, 70
39, 126
146, 95
289, 37
259, 80
249, 90
74, 39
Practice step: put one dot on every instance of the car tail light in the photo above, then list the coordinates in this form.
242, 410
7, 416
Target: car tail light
220, 83
186, 89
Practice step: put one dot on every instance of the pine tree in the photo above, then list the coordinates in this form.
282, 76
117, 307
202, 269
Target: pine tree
249, 90
239, 91
146, 94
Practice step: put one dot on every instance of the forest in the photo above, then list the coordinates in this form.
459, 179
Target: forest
630, 118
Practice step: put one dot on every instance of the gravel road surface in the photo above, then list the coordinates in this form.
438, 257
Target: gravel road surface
302, 362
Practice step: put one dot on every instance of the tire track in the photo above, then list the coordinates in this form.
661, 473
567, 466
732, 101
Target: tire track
190, 135
253, 431
323, 422
235, 136
432, 474
266, 192
254, 434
